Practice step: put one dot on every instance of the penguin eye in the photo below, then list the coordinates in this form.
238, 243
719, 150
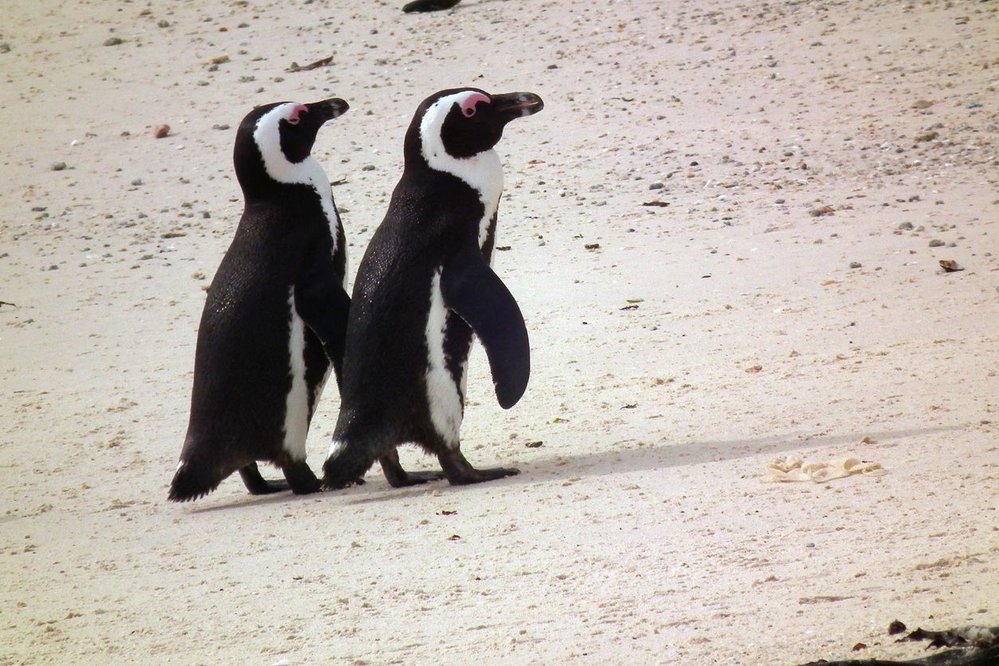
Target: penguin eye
468, 111
293, 120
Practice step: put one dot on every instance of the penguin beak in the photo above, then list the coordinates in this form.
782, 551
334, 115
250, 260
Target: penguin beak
516, 105
328, 109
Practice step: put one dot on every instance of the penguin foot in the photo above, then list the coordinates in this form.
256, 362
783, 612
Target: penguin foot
257, 485
459, 471
400, 478
301, 479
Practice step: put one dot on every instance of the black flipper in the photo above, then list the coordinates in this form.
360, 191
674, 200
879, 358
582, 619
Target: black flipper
476, 294
324, 306
397, 477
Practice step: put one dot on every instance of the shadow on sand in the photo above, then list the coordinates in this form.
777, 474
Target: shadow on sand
600, 463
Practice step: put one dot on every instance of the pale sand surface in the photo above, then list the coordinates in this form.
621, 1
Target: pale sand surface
639, 532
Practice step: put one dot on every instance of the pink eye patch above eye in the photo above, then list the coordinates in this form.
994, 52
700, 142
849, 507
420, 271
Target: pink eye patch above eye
468, 104
296, 113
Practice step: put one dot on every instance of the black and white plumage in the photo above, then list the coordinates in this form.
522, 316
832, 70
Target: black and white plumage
423, 288
276, 312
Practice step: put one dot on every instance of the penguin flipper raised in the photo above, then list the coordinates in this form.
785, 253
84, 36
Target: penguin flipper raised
476, 294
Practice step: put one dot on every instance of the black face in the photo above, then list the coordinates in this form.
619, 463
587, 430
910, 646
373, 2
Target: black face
477, 125
299, 130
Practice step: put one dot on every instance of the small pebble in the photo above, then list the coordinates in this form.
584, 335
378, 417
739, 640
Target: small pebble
161, 131
113, 41
658, 185
58, 166
855, 264
905, 226
936, 242
4, 47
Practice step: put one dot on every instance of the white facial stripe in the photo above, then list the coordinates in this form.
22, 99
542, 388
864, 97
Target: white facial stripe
267, 136
483, 172
296, 414
442, 394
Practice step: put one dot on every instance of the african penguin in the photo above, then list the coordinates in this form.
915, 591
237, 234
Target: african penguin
276, 312
423, 288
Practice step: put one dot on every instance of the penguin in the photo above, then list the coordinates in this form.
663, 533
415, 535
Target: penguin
276, 314
423, 289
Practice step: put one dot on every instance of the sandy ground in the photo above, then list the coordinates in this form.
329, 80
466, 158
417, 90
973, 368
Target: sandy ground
808, 165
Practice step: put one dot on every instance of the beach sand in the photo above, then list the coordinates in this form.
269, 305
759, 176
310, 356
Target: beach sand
725, 232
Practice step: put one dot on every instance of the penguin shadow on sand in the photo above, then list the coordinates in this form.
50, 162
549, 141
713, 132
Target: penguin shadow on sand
663, 457
602, 463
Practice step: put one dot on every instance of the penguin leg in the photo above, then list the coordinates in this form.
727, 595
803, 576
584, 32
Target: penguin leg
256, 484
460, 472
301, 478
400, 478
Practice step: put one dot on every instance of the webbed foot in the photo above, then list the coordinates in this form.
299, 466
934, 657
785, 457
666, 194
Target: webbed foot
459, 471
400, 478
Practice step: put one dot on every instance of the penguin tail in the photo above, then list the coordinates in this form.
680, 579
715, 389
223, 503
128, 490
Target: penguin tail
192, 481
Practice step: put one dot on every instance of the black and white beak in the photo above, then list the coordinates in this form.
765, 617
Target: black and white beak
516, 105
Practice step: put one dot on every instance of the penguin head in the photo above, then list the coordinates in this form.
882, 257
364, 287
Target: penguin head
274, 142
462, 123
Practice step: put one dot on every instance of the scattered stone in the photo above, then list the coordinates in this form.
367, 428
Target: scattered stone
220, 126
905, 226
896, 627
533, 445
137, 182
58, 166
4, 47
821, 212
161, 131
855, 264
368, 167
592, 246
950, 266
927, 136
163, 23
219, 60
658, 185
322, 62
113, 41
936, 242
